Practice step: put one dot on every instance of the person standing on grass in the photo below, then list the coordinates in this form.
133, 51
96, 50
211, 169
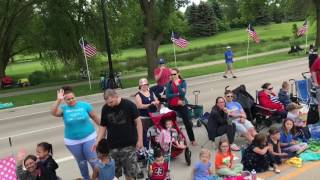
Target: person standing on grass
79, 131
228, 55
120, 118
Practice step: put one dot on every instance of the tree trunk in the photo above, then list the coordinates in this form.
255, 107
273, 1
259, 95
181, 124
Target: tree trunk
152, 55
317, 6
152, 38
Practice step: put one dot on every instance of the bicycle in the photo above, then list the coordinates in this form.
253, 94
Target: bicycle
105, 82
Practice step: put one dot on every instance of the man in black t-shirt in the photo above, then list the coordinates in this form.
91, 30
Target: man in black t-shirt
120, 117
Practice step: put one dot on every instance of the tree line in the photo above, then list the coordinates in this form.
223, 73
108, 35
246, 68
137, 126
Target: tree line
52, 28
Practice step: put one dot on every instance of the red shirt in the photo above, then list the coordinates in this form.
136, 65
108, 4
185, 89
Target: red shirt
159, 171
175, 90
265, 101
165, 76
316, 68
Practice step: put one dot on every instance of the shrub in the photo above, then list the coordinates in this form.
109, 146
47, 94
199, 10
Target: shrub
38, 77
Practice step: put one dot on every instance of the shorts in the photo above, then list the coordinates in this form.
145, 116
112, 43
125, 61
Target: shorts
242, 128
229, 66
126, 159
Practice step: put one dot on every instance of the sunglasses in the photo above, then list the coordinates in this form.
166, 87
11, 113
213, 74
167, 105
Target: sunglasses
173, 74
270, 88
229, 96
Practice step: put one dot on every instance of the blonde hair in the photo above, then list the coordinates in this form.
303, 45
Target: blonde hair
285, 84
204, 151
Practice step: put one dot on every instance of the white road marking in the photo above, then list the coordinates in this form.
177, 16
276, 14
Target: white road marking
31, 132
64, 159
29, 114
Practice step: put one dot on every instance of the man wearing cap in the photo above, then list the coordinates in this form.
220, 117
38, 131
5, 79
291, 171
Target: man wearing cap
228, 55
162, 76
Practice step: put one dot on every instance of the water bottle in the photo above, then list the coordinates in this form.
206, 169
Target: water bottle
253, 175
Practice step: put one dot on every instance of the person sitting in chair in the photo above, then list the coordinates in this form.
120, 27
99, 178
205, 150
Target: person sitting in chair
268, 99
239, 117
218, 123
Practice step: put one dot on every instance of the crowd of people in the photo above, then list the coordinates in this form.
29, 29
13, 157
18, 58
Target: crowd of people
123, 125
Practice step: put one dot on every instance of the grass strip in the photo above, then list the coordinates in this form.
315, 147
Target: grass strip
82, 90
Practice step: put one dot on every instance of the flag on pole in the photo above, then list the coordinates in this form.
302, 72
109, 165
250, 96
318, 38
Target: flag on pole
8, 168
252, 33
177, 40
302, 30
89, 49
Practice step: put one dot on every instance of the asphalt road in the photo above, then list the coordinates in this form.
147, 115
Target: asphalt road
29, 125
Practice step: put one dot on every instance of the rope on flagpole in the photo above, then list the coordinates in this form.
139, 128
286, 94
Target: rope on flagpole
306, 40
85, 57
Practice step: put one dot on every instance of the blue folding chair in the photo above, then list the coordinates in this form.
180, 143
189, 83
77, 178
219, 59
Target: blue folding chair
302, 88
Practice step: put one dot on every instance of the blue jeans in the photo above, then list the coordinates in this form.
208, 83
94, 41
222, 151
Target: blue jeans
83, 154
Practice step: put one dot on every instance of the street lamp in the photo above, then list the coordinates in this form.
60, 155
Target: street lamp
111, 83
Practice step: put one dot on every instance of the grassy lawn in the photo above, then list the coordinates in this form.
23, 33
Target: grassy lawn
83, 89
268, 32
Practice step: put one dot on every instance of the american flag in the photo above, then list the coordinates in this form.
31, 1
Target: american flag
177, 40
303, 29
253, 34
89, 49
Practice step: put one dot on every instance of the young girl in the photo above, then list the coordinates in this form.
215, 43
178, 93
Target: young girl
300, 125
159, 169
44, 153
224, 160
105, 168
256, 156
274, 145
165, 134
288, 144
202, 169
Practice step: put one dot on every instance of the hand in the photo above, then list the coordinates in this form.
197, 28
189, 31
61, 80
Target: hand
60, 94
293, 142
94, 147
21, 155
139, 145
284, 154
225, 110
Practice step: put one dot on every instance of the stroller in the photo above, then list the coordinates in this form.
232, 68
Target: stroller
154, 131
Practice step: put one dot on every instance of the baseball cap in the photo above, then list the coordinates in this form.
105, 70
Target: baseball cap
162, 61
228, 47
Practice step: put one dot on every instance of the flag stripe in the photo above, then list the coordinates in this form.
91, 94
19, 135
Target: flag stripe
253, 34
302, 30
180, 42
89, 49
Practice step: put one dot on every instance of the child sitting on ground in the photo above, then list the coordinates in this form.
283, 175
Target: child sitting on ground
203, 168
159, 169
257, 157
274, 145
287, 141
224, 161
105, 168
45, 160
303, 132
165, 134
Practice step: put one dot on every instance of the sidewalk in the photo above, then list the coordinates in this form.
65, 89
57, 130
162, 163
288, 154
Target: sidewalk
2, 95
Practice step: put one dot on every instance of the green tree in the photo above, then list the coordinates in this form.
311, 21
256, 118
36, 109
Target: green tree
156, 14
255, 12
207, 21
15, 16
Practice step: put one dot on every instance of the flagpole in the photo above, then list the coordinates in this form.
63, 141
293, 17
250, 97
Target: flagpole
248, 49
174, 52
85, 57
306, 40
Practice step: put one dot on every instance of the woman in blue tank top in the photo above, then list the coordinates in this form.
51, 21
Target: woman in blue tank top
79, 131
146, 102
